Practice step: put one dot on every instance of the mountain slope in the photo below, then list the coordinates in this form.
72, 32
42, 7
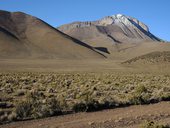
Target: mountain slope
116, 29
151, 58
25, 36
118, 37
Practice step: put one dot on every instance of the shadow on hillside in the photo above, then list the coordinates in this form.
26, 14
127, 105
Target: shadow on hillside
103, 49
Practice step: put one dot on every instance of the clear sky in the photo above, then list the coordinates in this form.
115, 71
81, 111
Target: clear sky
154, 13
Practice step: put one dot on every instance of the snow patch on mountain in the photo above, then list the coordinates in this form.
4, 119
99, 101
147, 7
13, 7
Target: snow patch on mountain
122, 19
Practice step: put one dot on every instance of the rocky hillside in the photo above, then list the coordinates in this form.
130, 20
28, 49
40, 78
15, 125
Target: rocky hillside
115, 29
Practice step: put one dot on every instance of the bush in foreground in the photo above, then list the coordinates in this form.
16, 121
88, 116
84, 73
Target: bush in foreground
151, 124
35, 108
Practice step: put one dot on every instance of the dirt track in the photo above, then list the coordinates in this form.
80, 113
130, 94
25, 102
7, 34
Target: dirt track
121, 117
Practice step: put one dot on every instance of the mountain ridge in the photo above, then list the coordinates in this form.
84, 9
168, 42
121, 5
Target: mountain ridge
129, 26
25, 36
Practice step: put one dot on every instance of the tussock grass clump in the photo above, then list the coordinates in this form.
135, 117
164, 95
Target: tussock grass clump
35, 107
151, 124
20, 92
140, 95
23, 109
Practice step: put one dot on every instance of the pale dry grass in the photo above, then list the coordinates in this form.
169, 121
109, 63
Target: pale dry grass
37, 95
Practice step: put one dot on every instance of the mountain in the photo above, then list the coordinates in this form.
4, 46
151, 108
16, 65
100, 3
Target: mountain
25, 36
115, 29
117, 37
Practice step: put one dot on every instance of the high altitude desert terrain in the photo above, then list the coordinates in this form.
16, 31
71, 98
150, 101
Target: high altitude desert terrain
107, 73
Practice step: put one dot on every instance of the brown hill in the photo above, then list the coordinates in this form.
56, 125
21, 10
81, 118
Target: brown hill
126, 51
25, 36
151, 58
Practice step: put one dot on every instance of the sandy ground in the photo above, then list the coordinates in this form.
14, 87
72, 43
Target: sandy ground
130, 117
58, 65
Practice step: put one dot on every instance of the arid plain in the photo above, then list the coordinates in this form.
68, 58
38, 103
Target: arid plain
107, 73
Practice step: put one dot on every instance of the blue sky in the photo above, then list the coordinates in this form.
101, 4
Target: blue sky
154, 13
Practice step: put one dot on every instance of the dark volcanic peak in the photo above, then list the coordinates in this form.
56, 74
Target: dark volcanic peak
129, 28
